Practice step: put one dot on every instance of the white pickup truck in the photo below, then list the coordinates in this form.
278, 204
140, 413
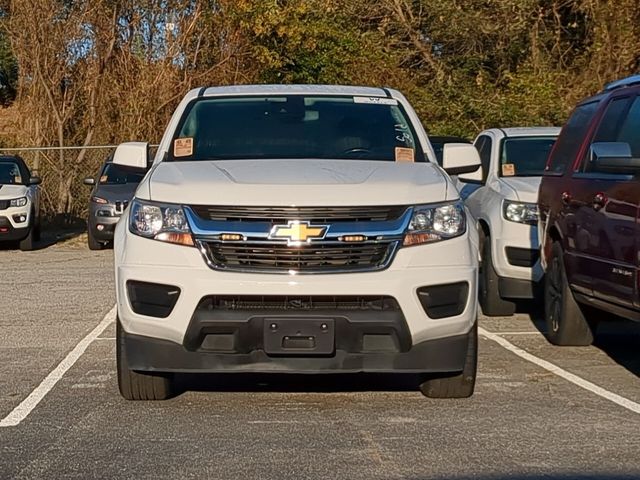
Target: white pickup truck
503, 198
301, 229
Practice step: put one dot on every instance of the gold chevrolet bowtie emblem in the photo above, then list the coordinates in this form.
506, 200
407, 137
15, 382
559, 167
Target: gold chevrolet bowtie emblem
297, 233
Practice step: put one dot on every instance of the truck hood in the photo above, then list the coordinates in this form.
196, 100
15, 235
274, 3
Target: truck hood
8, 192
295, 182
525, 188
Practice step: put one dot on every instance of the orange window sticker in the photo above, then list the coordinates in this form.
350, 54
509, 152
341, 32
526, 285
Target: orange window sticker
404, 154
104, 179
508, 170
183, 147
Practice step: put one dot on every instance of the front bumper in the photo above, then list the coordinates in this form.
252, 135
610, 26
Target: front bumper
15, 223
165, 344
103, 228
150, 354
510, 250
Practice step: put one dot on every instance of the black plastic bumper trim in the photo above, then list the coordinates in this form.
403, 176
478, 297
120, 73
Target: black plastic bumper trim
518, 289
522, 257
154, 355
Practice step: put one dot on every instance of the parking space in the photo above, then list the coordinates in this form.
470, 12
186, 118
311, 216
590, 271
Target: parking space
525, 421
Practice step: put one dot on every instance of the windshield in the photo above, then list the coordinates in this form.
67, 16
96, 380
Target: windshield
297, 126
119, 175
525, 156
10, 174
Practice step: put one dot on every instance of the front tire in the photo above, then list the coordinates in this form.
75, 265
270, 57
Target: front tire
92, 242
461, 385
139, 385
493, 305
27, 244
568, 323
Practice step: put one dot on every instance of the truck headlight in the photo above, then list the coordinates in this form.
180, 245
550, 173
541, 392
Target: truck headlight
432, 223
18, 202
163, 222
520, 212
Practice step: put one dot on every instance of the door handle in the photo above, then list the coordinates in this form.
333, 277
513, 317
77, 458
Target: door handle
599, 201
566, 198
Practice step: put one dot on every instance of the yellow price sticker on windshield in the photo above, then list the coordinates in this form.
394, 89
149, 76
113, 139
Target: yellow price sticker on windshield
508, 170
404, 154
183, 147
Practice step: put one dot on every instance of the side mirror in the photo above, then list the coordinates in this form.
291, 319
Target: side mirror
132, 154
89, 181
460, 158
614, 157
473, 177
35, 181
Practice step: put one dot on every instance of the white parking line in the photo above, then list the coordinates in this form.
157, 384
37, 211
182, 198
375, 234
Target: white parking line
519, 333
576, 380
19, 413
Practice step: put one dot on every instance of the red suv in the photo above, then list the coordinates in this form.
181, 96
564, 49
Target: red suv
589, 203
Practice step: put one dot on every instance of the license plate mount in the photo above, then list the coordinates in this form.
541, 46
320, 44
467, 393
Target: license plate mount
293, 336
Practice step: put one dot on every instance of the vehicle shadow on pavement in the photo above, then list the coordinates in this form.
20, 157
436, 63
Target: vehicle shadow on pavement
293, 383
618, 338
545, 476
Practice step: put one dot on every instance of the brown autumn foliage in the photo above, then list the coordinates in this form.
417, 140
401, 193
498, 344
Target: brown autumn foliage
107, 71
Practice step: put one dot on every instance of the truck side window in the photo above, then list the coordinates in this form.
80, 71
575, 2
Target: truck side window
570, 140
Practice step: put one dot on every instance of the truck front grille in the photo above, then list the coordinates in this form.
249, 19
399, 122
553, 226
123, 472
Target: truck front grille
4, 204
312, 214
313, 258
297, 303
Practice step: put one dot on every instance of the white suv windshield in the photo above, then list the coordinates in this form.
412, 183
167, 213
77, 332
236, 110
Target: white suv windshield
296, 126
525, 156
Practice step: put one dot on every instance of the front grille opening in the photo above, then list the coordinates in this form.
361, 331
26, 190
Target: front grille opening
299, 303
152, 299
306, 258
522, 257
441, 301
313, 214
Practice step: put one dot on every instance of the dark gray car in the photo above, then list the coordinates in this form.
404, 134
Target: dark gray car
112, 190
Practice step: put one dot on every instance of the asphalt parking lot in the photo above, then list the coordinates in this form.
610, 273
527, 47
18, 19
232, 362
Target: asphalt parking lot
538, 411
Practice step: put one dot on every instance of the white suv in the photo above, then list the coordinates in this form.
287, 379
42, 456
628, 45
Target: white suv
19, 203
300, 229
503, 198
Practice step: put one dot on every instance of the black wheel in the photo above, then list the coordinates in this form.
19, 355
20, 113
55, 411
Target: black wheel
493, 305
138, 385
567, 321
460, 385
93, 243
27, 243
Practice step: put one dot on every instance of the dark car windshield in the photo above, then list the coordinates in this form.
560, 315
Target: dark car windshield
296, 126
119, 175
525, 156
10, 173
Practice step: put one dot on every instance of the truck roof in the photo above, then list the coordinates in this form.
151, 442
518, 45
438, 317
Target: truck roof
289, 90
530, 131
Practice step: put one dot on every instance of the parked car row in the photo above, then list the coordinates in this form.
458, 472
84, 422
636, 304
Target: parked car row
312, 229
558, 215
20, 202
